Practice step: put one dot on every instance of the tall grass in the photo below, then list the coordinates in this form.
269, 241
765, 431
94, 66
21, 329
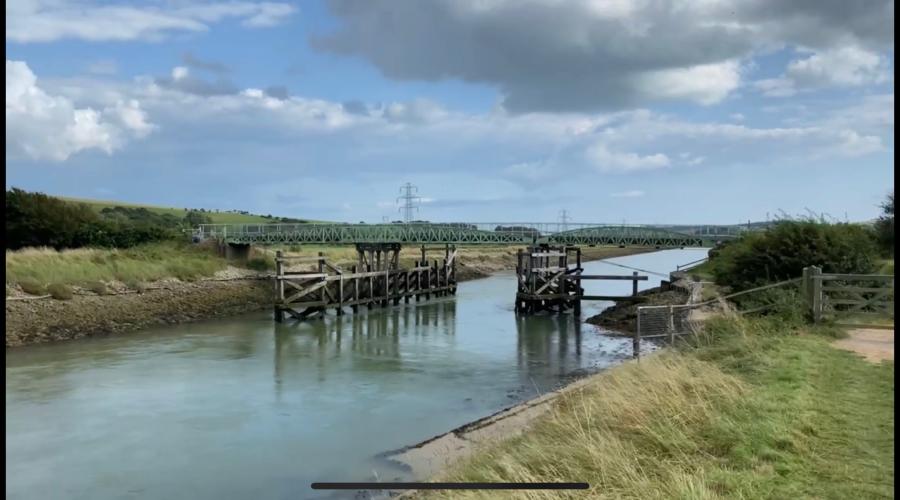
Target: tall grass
86, 267
758, 408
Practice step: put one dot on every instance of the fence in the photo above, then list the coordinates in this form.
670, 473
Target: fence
844, 297
827, 297
671, 321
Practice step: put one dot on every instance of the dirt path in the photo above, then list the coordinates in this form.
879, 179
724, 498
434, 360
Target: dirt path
875, 345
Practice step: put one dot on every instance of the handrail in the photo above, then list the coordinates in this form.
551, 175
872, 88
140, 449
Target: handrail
689, 264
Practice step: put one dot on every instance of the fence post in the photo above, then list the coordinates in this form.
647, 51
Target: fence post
279, 286
670, 327
636, 341
806, 288
634, 284
816, 276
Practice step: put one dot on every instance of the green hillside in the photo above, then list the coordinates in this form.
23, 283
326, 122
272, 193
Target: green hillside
220, 217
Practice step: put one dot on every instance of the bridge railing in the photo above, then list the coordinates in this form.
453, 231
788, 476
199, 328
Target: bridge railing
521, 230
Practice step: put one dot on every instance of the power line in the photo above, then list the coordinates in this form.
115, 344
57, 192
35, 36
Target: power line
410, 201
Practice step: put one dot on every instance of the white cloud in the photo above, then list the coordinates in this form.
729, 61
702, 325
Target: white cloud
179, 73
775, 87
51, 127
628, 194
842, 66
526, 150
51, 20
705, 84
845, 66
608, 161
415, 111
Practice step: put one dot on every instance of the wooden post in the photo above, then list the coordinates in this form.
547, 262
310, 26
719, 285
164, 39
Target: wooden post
806, 288
340, 307
371, 297
279, 286
817, 294
636, 340
634, 284
321, 264
355, 291
406, 287
670, 327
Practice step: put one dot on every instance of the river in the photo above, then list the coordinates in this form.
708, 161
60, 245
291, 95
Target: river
243, 407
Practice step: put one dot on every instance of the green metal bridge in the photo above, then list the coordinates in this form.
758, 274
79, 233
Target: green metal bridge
481, 233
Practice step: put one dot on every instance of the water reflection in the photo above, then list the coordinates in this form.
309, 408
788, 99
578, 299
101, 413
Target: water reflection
549, 344
374, 338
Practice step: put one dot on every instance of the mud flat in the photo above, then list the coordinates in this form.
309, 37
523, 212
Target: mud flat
47, 320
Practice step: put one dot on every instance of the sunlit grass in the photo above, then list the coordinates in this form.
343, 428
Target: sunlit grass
757, 410
86, 267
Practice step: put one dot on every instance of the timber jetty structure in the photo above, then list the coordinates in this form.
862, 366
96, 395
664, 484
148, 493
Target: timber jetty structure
377, 280
549, 268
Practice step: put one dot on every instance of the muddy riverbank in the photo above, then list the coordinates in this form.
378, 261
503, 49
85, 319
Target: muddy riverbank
35, 320
47, 320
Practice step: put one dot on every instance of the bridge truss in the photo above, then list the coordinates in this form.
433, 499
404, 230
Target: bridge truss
505, 233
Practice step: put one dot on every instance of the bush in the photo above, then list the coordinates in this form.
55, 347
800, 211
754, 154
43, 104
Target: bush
38, 220
780, 304
98, 287
32, 287
260, 264
884, 226
782, 252
138, 286
60, 291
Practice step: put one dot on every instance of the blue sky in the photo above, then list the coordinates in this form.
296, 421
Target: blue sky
648, 112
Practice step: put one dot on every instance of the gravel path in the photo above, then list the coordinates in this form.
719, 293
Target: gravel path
874, 344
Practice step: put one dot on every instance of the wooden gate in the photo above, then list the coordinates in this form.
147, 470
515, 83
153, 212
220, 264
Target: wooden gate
849, 299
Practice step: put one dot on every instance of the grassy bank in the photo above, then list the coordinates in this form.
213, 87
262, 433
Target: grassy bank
84, 266
36, 268
761, 409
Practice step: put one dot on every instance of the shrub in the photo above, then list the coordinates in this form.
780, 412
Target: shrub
32, 287
260, 264
884, 226
138, 286
782, 252
60, 291
98, 287
37, 220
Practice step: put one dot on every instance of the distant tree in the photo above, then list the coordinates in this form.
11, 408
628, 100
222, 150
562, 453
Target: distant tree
194, 218
35, 219
884, 226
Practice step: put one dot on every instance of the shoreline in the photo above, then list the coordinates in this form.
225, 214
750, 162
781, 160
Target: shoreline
42, 320
429, 458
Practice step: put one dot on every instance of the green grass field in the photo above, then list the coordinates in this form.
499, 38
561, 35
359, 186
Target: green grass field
760, 409
217, 217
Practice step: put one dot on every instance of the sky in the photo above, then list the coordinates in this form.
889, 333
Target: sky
643, 111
